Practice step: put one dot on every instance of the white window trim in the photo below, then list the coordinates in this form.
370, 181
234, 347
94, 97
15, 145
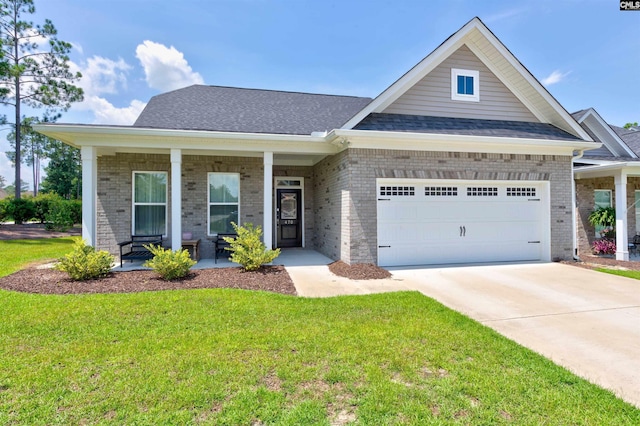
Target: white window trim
209, 203
455, 72
133, 200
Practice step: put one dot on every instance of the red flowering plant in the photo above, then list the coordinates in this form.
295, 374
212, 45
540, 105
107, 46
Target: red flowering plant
604, 246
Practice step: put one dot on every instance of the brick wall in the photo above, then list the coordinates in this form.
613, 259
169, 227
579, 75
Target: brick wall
331, 233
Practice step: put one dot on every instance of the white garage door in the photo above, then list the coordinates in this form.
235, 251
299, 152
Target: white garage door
424, 222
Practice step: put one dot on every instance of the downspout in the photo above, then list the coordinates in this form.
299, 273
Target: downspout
574, 205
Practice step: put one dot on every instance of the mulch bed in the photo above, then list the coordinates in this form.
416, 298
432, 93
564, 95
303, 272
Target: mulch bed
49, 281
44, 280
592, 262
359, 271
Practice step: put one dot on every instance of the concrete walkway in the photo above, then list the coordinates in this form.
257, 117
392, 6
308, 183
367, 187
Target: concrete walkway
586, 321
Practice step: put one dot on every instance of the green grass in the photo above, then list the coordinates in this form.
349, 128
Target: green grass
629, 274
15, 254
233, 357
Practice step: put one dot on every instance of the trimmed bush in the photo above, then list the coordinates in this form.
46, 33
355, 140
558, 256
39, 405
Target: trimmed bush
21, 209
60, 216
4, 214
76, 210
170, 265
43, 204
85, 263
248, 249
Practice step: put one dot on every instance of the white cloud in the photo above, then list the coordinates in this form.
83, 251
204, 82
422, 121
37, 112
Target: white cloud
103, 76
106, 113
165, 67
555, 77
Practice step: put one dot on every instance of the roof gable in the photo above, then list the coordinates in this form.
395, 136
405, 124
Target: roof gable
631, 137
230, 109
612, 144
499, 60
432, 94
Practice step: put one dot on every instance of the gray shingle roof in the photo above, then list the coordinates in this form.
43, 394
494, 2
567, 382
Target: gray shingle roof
462, 126
232, 109
630, 137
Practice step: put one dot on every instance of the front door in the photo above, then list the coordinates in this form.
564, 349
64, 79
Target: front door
289, 217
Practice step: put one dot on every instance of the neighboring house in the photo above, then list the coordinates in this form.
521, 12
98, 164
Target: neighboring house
603, 173
465, 158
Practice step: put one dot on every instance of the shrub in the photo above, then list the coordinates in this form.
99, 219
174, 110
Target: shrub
4, 214
42, 205
59, 217
85, 263
21, 209
76, 210
170, 265
247, 248
603, 246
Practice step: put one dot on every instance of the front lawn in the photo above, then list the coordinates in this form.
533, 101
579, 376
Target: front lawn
623, 273
234, 357
15, 254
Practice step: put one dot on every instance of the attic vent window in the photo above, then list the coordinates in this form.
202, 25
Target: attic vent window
465, 85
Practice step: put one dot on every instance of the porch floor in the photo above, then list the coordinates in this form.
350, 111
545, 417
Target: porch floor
288, 257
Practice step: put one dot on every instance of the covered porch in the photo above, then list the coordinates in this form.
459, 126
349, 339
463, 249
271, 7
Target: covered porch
261, 166
609, 184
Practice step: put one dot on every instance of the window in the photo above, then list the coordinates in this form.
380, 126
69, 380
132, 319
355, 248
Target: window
521, 192
441, 191
149, 203
602, 198
224, 202
465, 85
482, 192
401, 191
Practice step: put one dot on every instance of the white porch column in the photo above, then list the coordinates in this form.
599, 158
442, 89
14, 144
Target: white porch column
622, 240
176, 199
89, 193
267, 226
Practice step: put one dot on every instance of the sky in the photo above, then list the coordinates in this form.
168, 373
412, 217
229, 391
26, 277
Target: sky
586, 53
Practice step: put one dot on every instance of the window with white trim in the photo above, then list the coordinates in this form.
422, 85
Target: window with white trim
149, 203
465, 85
602, 198
224, 202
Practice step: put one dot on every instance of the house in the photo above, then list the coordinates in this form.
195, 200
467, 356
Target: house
602, 174
465, 158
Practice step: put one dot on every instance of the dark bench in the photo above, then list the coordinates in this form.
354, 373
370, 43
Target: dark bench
137, 249
220, 244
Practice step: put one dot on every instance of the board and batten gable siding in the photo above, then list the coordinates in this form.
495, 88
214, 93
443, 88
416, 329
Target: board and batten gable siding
432, 95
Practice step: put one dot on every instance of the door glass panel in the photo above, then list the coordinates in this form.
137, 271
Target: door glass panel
288, 206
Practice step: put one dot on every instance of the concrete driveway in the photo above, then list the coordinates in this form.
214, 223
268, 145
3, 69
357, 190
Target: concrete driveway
586, 321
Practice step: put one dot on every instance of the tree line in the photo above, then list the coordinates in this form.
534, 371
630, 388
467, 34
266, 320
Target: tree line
37, 83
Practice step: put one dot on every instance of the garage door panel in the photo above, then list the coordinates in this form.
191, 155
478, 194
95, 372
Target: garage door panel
499, 221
